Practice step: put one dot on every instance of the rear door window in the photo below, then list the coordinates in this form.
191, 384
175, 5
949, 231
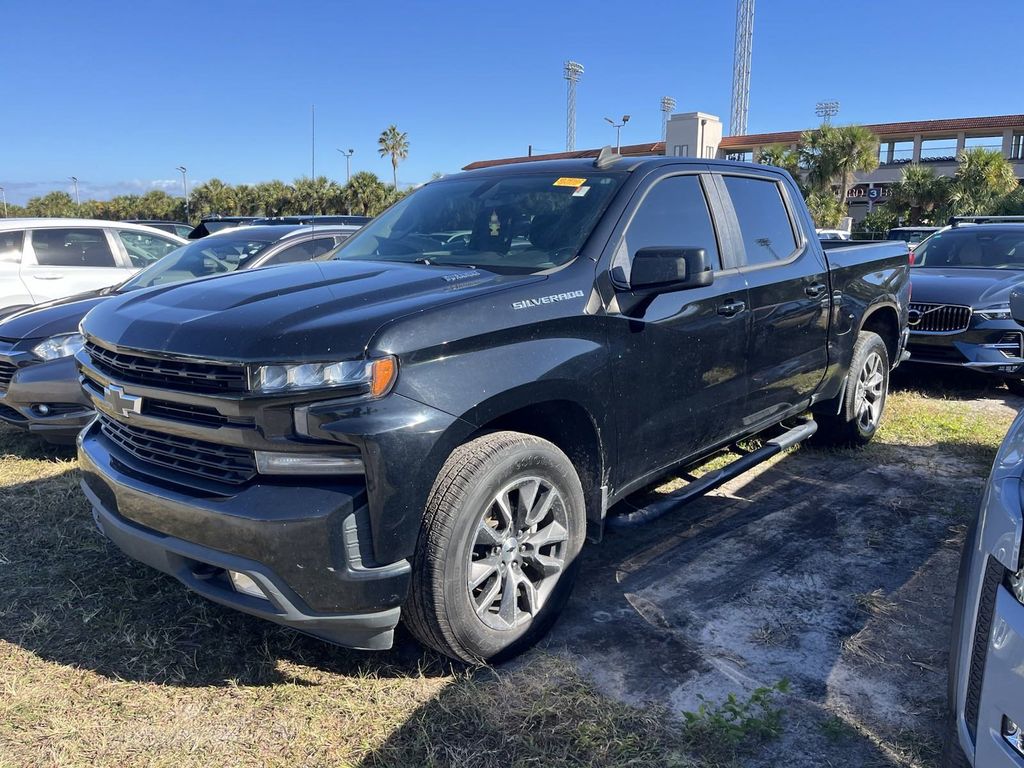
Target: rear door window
85, 247
765, 226
11, 245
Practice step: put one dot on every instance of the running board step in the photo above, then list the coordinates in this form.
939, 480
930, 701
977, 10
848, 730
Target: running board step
712, 480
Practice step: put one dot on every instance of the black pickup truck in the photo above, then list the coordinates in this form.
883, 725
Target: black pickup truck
429, 425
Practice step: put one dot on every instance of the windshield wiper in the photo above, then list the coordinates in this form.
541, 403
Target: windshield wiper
423, 260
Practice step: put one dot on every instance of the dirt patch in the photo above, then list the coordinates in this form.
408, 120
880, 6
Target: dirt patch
834, 570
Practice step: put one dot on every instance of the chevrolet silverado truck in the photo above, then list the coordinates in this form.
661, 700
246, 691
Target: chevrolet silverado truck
429, 426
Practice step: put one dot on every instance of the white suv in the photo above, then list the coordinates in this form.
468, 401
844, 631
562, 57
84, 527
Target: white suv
46, 259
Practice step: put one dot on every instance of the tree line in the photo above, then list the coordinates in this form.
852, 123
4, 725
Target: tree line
826, 159
364, 194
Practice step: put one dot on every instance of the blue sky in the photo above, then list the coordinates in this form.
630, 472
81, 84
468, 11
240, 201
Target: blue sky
120, 93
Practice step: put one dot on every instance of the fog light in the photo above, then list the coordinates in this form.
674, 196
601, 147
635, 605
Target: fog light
1013, 735
272, 463
245, 585
42, 409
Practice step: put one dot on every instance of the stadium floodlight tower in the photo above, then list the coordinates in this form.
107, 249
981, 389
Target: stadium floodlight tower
667, 105
573, 72
826, 110
742, 56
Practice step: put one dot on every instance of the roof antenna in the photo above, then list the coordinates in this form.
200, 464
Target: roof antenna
607, 157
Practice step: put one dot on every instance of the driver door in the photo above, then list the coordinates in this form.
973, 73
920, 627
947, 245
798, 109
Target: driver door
678, 357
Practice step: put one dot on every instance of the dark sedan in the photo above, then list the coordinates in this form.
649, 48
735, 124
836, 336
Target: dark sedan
39, 388
960, 314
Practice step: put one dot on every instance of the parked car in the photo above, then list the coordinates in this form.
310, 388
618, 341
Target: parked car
46, 259
39, 387
833, 234
179, 228
911, 235
315, 219
426, 431
986, 662
960, 315
212, 224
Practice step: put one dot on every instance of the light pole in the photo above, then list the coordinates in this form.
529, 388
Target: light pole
826, 110
184, 186
667, 105
78, 200
3, 194
617, 127
572, 73
348, 163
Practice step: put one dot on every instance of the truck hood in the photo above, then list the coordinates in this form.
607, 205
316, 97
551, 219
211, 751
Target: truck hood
970, 287
51, 318
312, 311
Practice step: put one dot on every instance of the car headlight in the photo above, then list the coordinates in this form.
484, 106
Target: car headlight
373, 376
998, 312
65, 345
1017, 584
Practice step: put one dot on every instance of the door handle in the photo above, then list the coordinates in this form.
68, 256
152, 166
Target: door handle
816, 290
731, 307
48, 276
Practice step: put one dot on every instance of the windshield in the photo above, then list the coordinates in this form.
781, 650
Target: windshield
909, 235
510, 223
973, 248
209, 256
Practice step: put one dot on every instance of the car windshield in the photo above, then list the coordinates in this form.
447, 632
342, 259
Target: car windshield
973, 248
519, 223
209, 256
910, 235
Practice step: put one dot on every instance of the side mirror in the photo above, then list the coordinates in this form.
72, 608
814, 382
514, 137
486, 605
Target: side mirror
1017, 305
669, 269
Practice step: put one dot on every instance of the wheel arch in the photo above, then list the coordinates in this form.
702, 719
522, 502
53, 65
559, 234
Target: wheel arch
884, 320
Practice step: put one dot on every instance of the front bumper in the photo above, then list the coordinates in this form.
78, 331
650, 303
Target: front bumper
987, 346
309, 558
54, 384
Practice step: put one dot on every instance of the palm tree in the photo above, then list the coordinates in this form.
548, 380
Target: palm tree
833, 154
983, 178
365, 194
918, 189
395, 143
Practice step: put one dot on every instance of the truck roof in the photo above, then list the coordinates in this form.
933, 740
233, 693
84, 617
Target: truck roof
578, 166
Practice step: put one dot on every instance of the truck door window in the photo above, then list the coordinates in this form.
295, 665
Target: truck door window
764, 221
673, 213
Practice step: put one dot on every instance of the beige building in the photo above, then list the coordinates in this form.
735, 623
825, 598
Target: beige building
935, 143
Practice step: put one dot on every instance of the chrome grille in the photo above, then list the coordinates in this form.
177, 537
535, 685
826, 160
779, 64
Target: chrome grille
221, 463
180, 375
939, 318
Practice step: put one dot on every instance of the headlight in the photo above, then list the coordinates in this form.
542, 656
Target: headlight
376, 376
65, 345
998, 312
1017, 584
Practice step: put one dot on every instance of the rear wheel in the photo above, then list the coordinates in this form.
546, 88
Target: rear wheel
497, 554
867, 385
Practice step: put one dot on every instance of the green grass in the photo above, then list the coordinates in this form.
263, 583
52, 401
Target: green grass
105, 662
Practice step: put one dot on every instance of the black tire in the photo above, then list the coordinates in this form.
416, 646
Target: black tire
1016, 386
853, 425
462, 537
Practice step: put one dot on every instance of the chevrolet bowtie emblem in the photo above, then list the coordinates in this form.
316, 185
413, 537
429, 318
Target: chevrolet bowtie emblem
121, 402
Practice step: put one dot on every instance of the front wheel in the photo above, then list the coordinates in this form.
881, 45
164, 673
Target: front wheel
497, 554
867, 385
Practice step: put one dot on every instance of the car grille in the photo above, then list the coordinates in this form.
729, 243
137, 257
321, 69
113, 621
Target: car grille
180, 375
6, 374
210, 461
979, 648
939, 318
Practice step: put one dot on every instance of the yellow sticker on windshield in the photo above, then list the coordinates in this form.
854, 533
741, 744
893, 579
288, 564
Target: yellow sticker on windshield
568, 181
